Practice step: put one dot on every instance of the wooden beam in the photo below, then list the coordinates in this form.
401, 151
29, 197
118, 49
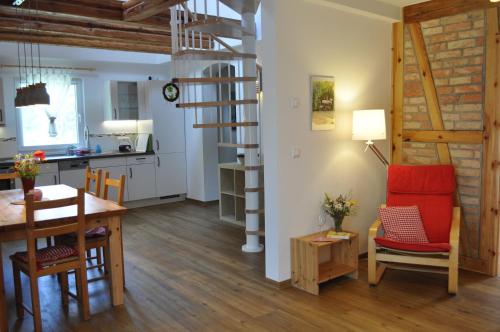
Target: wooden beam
64, 39
443, 136
429, 88
148, 8
488, 246
397, 92
439, 8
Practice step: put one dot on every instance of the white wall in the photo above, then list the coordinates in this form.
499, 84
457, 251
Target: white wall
299, 40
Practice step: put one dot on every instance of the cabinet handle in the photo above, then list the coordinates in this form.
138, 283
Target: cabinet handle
130, 171
1, 115
158, 161
157, 145
115, 117
55, 179
140, 158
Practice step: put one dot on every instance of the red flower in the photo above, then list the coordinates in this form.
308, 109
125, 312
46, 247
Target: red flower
39, 155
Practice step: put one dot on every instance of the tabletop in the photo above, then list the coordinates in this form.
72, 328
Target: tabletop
14, 217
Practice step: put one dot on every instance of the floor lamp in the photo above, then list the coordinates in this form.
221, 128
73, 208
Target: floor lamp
369, 126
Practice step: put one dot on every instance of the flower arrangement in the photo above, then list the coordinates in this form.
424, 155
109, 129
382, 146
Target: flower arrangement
27, 167
339, 208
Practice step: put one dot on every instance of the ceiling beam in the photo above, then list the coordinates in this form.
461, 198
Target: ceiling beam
148, 8
64, 39
439, 8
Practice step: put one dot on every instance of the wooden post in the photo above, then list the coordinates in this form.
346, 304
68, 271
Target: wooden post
115, 249
3, 302
397, 92
489, 211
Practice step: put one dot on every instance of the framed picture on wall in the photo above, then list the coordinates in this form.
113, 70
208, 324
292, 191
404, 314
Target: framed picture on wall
322, 102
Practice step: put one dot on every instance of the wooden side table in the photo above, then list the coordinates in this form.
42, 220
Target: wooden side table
314, 263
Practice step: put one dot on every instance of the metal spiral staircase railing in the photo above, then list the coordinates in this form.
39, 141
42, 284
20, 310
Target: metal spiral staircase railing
201, 56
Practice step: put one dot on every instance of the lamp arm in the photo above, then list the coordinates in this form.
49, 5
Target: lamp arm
379, 154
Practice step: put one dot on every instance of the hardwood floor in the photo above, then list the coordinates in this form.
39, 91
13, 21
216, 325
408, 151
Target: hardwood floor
186, 272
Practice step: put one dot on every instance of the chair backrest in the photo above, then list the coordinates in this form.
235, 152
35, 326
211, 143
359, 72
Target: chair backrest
429, 187
119, 184
35, 231
93, 176
9, 176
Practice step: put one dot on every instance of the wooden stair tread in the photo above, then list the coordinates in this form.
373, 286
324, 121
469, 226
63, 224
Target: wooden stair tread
242, 6
219, 26
213, 80
207, 104
259, 233
211, 55
236, 145
226, 124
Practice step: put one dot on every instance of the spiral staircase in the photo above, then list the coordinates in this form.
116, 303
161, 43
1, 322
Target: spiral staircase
201, 56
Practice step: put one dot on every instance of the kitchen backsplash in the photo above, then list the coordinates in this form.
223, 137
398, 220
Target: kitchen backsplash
108, 142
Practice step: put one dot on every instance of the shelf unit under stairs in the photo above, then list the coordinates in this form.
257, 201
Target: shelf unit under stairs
233, 107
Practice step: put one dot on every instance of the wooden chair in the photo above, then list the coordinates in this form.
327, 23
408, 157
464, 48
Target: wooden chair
95, 177
431, 188
98, 238
51, 260
9, 176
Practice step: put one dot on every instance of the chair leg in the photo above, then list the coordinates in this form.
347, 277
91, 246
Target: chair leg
35, 304
106, 260
18, 290
99, 257
83, 293
63, 276
453, 274
123, 261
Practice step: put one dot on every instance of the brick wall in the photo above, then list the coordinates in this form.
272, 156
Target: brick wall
456, 50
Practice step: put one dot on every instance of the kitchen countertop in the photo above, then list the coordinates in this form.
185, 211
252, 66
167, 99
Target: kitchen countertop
56, 158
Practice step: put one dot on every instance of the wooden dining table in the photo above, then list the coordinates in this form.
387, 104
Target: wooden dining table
98, 212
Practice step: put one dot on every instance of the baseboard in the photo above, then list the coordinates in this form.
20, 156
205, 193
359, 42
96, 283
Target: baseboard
153, 201
280, 284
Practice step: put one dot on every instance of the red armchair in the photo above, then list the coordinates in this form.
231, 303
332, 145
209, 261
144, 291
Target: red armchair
432, 189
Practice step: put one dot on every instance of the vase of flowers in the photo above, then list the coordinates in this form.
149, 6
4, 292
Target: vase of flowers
27, 166
339, 208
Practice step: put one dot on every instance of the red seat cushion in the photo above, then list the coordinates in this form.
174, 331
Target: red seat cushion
417, 247
403, 224
48, 256
431, 188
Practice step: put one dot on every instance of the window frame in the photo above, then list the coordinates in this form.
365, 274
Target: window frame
59, 147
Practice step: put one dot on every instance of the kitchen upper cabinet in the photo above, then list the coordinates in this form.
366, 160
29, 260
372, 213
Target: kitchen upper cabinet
168, 121
170, 174
122, 100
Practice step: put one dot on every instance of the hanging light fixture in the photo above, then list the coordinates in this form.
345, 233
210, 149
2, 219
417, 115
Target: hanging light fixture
35, 93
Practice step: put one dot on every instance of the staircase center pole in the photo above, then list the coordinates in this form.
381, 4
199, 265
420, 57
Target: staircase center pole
250, 136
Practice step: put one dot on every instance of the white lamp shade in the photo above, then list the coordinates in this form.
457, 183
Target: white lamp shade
368, 125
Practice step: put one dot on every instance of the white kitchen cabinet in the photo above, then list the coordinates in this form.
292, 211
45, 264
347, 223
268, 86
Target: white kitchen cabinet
122, 100
170, 174
168, 121
141, 181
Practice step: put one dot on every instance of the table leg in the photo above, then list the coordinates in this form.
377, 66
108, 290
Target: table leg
3, 304
115, 255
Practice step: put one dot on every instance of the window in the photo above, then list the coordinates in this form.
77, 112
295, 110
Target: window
57, 125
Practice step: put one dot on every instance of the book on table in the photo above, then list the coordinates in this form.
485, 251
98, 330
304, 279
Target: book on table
333, 236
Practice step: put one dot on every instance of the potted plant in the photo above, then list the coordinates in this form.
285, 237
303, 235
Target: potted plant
27, 167
339, 208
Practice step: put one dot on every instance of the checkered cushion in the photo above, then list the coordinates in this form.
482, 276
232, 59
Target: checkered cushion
48, 256
403, 224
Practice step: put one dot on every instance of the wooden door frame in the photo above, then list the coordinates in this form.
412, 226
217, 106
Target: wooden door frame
489, 243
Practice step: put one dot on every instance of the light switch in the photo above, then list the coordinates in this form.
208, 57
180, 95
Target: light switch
296, 153
294, 103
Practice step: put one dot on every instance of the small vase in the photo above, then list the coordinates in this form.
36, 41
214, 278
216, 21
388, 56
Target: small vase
28, 184
338, 223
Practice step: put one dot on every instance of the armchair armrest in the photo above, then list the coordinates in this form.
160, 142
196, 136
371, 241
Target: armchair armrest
455, 227
374, 228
